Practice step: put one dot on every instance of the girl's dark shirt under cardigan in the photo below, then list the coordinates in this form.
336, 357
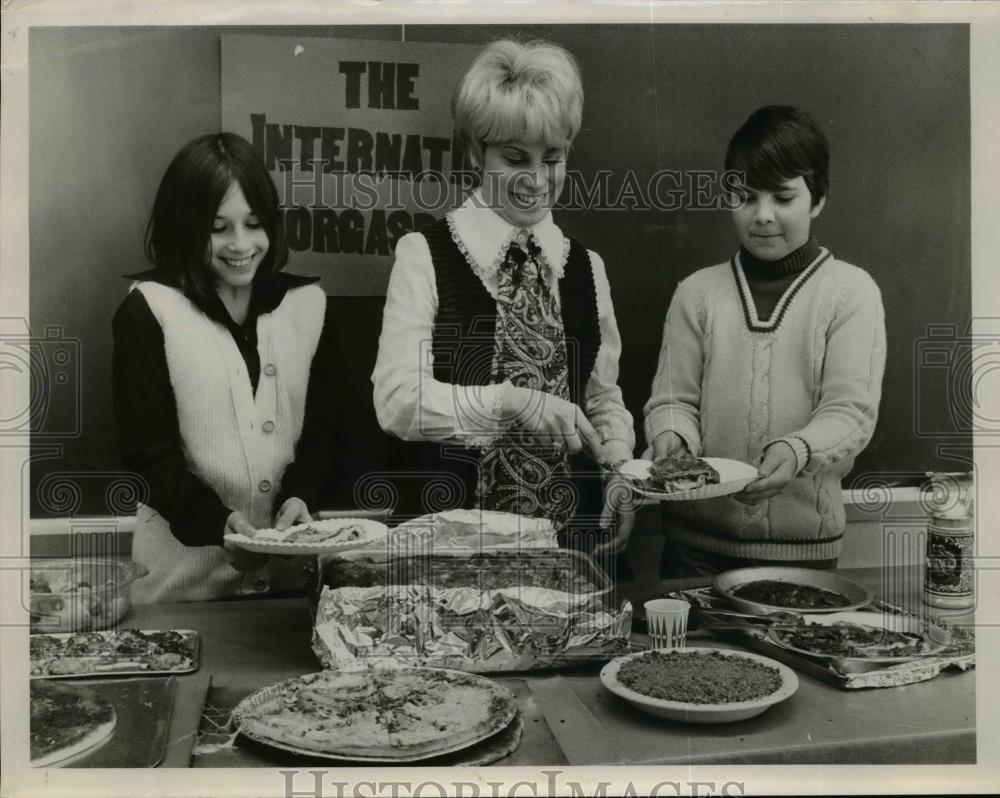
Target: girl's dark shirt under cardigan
146, 412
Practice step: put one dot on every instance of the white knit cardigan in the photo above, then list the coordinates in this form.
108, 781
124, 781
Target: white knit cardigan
729, 384
237, 442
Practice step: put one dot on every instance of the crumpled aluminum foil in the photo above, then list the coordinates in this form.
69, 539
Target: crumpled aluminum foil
508, 629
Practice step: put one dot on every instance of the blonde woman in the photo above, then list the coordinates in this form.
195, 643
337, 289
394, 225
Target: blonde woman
498, 357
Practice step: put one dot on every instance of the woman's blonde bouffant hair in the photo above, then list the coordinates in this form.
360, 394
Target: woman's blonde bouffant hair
517, 91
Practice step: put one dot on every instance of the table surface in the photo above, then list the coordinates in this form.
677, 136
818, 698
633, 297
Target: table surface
569, 716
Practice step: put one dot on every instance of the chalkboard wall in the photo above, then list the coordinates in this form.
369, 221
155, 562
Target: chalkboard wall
110, 106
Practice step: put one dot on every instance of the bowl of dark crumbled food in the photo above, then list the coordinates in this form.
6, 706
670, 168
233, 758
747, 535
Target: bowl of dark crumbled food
768, 589
700, 685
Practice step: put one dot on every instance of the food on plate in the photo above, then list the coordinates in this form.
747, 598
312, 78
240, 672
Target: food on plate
680, 472
777, 593
107, 652
390, 713
330, 531
65, 720
844, 639
691, 677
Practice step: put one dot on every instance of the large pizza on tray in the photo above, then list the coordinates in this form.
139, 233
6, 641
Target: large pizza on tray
378, 713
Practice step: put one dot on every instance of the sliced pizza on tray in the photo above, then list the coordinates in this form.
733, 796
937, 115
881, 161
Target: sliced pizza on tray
380, 714
110, 651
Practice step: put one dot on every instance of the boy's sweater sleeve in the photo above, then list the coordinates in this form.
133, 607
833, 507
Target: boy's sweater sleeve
844, 419
676, 395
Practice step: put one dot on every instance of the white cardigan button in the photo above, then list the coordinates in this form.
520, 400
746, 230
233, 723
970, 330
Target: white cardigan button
264, 486
270, 370
268, 426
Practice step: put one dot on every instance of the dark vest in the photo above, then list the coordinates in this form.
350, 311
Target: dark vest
431, 477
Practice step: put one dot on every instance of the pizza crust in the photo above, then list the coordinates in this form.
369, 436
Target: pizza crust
383, 715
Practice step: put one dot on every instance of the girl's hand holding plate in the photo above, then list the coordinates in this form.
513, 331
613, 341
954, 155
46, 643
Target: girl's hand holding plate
241, 559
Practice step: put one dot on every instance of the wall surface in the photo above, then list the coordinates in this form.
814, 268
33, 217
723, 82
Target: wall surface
110, 107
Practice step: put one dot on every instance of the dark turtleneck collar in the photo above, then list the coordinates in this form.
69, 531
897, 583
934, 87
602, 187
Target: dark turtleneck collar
792, 263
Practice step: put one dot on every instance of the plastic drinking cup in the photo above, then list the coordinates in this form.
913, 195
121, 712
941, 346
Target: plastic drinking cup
667, 620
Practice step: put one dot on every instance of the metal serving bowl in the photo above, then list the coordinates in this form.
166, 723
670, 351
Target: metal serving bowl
726, 582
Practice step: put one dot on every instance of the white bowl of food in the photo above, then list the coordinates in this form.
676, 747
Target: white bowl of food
81, 595
700, 685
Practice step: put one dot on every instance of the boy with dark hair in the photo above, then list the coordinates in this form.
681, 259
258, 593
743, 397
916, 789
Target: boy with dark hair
776, 358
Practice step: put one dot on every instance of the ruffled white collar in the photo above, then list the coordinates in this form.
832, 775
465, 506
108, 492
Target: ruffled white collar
483, 237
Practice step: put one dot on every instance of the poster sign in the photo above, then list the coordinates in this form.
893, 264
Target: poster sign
358, 138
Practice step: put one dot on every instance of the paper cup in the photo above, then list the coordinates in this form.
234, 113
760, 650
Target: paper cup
667, 620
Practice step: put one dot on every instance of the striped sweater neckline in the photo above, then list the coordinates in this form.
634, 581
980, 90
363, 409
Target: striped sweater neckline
754, 324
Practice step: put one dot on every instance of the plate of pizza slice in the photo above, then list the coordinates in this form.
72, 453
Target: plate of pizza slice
329, 536
68, 723
685, 478
377, 714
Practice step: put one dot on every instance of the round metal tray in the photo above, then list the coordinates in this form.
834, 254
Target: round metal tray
272, 694
726, 582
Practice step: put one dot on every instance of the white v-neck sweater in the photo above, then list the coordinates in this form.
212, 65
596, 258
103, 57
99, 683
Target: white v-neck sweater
729, 384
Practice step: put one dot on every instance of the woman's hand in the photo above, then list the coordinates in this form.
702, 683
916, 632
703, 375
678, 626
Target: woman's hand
620, 503
775, 472
293, 511
549, 418
667, 444
241, 559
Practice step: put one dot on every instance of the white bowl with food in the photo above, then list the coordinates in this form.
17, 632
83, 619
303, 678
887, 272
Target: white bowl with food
81, 595
767, 589
700, 685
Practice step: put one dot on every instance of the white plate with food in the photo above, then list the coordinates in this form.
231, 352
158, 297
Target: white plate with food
378, 714
700, 685
315, 537
856, 642
125, 652
767, 589
68, 722
685, 478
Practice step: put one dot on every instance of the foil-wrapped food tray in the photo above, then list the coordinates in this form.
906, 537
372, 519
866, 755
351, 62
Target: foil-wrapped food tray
561, 570
489, 612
